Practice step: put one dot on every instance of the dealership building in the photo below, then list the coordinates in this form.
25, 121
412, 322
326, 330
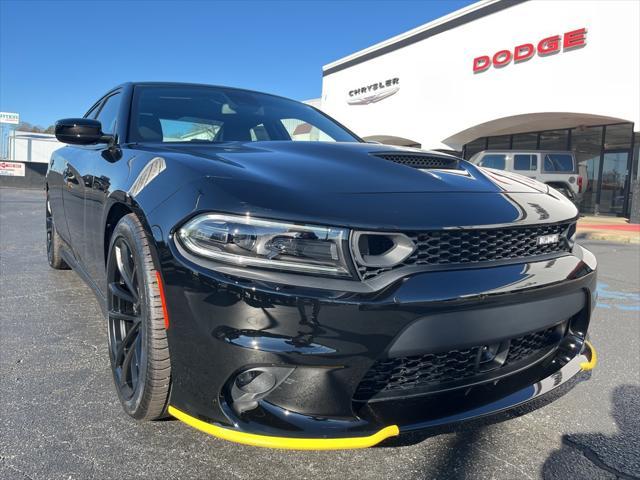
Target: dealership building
507, 74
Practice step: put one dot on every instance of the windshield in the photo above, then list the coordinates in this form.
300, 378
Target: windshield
185, 114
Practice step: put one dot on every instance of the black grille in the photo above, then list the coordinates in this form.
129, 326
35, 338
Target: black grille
403, 375
462, 247
421, 161
527, 345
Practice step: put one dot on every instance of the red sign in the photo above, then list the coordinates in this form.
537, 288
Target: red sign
11, 169
521, 53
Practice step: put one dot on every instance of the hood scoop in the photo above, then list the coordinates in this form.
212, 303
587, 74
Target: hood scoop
421, 161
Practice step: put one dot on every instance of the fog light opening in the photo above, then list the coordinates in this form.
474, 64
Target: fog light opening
255, 382
249, 386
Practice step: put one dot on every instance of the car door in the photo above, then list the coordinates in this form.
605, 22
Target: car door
74, 184
100, 163
74, 181
79, 175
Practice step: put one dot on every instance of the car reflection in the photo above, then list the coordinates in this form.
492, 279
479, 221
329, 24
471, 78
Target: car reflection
270, 342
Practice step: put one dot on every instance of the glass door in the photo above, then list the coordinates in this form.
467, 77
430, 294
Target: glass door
587, 147
613, 182
589, 169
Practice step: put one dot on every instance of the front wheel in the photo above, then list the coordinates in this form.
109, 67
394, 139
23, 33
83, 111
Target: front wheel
138, 346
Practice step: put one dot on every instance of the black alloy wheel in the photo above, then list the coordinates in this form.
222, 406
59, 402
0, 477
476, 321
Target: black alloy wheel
125, 335
138, 346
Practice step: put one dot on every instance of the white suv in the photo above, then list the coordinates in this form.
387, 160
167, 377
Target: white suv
558, 169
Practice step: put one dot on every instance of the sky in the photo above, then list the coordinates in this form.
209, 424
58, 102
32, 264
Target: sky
58, 57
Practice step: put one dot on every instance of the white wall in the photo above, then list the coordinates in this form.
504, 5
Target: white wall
440, 96
40, 150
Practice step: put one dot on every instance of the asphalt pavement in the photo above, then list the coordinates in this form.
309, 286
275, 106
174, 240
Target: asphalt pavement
60, 417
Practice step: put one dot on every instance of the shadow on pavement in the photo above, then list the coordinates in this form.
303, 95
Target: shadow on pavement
413, 438
616, 456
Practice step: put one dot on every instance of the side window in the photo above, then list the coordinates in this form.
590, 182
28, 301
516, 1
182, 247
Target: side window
493, 161
108, 114
559, 162
525, 162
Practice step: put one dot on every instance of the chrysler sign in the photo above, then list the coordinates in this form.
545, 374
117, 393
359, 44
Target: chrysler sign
373, 93
521, 53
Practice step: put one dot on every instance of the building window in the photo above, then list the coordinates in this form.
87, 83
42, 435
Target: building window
474, 147
618, 136
606, 157
503, 142
554, 140
635, 171
636, 160
525, 141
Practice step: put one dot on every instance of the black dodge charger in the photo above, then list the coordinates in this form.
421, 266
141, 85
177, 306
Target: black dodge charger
271, 279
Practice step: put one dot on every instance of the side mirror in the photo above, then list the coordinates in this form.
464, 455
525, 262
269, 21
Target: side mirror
81, 131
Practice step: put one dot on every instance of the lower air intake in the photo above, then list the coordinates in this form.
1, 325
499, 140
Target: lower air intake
432, 372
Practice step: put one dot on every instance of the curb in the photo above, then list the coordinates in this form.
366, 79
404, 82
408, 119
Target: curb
609, 236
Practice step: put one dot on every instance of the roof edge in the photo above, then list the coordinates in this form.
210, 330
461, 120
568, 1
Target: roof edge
455, 19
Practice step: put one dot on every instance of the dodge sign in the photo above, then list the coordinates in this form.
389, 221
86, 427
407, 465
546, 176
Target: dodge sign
545, 47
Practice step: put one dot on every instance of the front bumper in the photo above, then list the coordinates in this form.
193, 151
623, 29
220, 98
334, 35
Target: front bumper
222, 325
586, 361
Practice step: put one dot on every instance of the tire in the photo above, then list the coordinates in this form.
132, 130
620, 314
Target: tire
566, 191
138, 347
54, 242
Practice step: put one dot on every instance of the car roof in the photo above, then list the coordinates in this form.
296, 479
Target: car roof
188, 84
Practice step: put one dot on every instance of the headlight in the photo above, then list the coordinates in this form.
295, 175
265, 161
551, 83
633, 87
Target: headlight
254, 242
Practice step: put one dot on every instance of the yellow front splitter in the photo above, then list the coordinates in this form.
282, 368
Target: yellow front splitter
593, 358
288, 443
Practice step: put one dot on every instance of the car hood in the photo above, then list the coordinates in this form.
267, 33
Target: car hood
348, 184
340, 168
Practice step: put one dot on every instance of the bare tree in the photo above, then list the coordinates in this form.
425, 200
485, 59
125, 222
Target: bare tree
28, 127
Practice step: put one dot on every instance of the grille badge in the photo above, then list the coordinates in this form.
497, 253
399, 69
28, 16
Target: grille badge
548, 239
